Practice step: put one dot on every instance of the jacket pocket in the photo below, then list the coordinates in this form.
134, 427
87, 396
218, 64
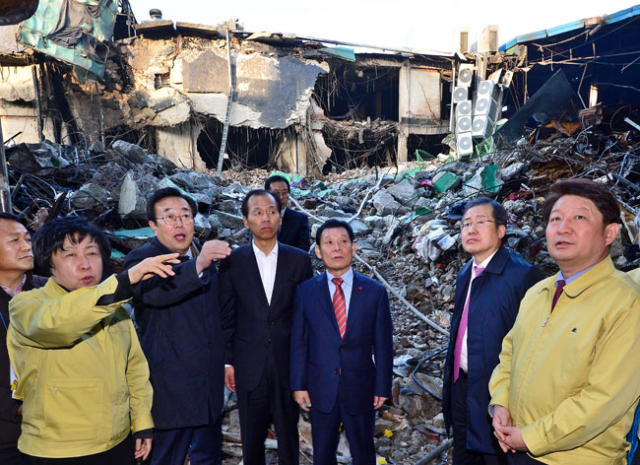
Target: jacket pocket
73, 408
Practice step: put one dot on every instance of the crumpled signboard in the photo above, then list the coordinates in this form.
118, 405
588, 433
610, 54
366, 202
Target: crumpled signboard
75, 31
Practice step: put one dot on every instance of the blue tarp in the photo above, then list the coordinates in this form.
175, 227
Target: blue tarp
75, 31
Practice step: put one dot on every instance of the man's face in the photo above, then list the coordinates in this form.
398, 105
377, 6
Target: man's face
576, 235
169, 227
280, 188
15, 247
336, 250
480, 234
263, 218
77, 265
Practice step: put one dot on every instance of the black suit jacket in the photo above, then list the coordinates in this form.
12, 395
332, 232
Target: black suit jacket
9, 418
295, 230
181, 336
252, 327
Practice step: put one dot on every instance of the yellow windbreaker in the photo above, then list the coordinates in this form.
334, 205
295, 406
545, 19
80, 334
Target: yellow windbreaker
82, 374
571, 378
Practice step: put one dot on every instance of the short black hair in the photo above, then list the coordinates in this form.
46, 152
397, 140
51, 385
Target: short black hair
254, 192
276, 178
599, 194
499, 213
49, 239
333, 223
163, 193
12, 217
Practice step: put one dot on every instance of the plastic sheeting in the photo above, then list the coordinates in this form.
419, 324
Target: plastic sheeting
75, 31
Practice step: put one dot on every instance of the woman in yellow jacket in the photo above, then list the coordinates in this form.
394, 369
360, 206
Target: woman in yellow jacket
81, 372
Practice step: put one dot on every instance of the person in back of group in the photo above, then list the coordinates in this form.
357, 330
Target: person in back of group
489, 289
80, 369
16, 263
181, 334
564, 392
294, 230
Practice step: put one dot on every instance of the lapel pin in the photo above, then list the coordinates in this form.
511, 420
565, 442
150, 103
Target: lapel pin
574, 330
360, 288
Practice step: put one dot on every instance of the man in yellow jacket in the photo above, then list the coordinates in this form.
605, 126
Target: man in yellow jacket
564, 392
81, 372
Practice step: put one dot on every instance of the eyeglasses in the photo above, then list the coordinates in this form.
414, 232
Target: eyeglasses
479, 224
186, 219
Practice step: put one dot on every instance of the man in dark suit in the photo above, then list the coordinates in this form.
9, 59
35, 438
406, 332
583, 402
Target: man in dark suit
16, 263
257, 287
294, 230
181, 335
341, 319
489, 289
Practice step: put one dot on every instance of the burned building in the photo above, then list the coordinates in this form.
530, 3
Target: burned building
599, 56
191, 92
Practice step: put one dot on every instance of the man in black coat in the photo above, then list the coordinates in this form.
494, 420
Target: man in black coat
294, 230
16, 263
181, 335
488, 293
257, 286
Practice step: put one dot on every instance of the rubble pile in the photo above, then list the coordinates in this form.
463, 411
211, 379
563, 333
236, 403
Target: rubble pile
407, 223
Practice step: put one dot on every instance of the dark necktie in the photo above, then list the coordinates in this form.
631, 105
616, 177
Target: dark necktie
340, 306
559, 287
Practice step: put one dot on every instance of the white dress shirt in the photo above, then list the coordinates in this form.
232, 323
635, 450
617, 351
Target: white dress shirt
464, 359
347, 287
267, 264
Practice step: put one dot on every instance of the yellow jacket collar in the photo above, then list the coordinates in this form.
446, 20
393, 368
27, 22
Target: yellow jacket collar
595, 275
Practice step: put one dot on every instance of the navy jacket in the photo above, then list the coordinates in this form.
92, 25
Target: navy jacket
295, 230
9, 418
252, 327
495, 300
182, 338
328, 366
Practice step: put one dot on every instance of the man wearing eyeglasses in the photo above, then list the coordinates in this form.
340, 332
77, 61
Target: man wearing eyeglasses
181, 335
488, 293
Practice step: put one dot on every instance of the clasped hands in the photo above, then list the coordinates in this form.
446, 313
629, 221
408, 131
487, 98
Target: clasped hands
509, 436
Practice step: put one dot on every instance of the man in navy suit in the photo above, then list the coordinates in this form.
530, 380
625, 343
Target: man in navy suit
341, 323
257, 287
181, 335
294, 230
489, 289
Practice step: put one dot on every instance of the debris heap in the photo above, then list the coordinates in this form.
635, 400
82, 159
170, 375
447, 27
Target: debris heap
406, 220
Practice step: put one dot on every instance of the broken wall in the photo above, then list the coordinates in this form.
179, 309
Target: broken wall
18, 110
173, 80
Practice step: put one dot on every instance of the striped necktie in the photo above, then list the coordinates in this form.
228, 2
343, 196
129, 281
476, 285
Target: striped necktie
340, 306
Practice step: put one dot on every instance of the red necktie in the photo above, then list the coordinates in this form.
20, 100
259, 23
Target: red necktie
559, 287
462, 329
340, 306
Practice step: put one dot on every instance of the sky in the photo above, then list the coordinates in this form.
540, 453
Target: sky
417, 24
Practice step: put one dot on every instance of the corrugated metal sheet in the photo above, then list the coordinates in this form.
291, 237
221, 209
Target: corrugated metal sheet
573, 26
